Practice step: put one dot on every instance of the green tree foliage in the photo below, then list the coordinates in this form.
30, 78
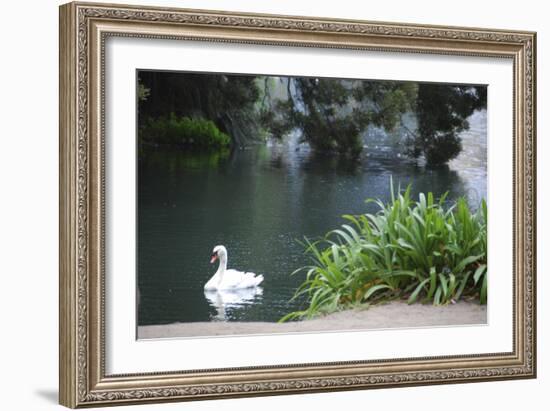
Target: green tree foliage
331, 114
226, 100
442, 112
142, 92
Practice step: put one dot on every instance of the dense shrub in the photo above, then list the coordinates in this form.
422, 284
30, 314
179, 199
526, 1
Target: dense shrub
193, 133
419, 250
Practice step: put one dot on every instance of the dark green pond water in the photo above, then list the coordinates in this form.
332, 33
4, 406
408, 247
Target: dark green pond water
258, 202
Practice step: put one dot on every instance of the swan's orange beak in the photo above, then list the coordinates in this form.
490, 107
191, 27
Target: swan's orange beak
213, 258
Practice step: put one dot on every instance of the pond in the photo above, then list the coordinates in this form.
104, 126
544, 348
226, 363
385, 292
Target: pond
260, 202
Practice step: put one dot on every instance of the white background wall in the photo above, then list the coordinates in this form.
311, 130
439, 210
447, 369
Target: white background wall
29, 190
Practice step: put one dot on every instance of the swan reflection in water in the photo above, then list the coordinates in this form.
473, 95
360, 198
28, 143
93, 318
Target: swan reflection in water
226, 301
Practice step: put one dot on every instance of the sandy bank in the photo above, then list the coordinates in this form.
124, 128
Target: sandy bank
392, 315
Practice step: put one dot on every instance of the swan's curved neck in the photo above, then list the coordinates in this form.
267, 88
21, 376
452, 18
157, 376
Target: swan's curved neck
223, 266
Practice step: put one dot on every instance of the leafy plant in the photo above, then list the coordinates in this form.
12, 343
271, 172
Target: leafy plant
419, 250
193, 133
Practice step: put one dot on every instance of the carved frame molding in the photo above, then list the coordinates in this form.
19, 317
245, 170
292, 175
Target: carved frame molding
84, 27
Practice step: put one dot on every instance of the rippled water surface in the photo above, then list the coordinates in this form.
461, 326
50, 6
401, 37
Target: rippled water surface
259, 202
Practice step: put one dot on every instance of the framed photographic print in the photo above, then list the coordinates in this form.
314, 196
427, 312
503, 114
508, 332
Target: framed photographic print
258, 204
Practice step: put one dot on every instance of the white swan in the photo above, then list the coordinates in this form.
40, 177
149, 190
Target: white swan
225, 279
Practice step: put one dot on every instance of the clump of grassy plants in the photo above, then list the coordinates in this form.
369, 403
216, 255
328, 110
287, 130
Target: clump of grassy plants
191, 133
422, 250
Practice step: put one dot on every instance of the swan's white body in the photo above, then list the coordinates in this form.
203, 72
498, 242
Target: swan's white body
225, 279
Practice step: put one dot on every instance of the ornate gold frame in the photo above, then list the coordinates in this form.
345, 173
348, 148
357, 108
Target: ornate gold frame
83, 30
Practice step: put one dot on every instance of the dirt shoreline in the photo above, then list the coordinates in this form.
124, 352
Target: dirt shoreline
395, 314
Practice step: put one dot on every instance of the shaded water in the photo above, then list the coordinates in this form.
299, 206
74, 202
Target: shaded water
258, 202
